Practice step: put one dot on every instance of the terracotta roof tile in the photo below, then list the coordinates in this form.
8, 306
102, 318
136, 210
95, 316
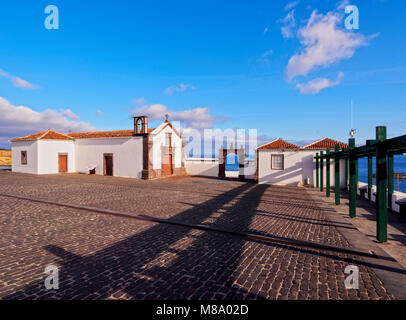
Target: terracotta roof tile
278, 144
53, 135
104, 134
47, 134
325, 143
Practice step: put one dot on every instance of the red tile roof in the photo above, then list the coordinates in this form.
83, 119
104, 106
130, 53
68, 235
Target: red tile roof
325, 143
53, 135
278, 144
47, 134
104, 134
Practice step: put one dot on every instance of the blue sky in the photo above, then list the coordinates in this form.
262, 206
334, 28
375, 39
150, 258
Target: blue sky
209, 64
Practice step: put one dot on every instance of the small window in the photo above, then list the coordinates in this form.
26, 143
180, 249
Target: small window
277, 162
23, 157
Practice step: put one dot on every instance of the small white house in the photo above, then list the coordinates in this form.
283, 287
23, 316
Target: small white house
283, 163
138, 153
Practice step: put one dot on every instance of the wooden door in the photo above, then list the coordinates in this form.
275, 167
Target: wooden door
63, 162
108, 164
167, 164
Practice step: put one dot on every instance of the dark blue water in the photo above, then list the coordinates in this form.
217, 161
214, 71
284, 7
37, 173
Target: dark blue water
399, 166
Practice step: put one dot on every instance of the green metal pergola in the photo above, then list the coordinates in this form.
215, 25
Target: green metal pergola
383, 150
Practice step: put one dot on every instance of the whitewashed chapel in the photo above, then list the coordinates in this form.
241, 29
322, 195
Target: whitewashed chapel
139, 153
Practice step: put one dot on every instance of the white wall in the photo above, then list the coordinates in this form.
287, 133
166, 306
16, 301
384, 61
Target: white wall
299, 165
32, 156
159, 140
249, 168
127, 155
48, 151
202, 167
332, 172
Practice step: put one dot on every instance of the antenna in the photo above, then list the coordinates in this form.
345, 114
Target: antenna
351, 113
352, 131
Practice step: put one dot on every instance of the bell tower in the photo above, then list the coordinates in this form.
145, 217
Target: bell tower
140, 125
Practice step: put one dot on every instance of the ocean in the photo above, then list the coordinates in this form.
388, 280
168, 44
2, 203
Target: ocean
399, 166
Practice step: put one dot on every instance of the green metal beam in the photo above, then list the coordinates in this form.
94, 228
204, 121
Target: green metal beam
353, 181
346, 174
370, 177
393, 146
356, 172
381, 184
337, 174
317, 170
328, 166
321, 172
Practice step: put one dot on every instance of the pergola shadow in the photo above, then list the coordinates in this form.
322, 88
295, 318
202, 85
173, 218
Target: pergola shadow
159, 263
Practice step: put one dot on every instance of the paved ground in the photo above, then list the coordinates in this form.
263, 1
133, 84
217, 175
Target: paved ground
366, 223
107, 257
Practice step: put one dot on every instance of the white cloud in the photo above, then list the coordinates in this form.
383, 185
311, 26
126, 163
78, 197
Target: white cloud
17, 121
318, 84
139, 101
99, 113
182, 87
68, 113
291, 5
323, 44
265, 56
288, 25
197, 118
18, 82
342, 4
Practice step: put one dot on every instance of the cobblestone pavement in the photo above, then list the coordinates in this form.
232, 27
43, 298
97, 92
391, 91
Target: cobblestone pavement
106, 257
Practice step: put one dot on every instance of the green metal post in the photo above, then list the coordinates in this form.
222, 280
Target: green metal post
321, 172
317, 170
391, 184
346, 173
328, 174
353, 179
356, 173
382, 185
369, 177
337, 173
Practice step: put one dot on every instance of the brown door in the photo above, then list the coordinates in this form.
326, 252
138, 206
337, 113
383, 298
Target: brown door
63, 162
167, 164
108, 164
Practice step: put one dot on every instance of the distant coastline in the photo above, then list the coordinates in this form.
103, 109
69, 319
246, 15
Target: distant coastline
5, 157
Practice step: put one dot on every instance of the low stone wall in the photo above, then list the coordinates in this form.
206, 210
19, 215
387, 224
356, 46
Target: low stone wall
208, 167
396, 195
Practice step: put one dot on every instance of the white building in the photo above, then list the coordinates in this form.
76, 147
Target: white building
283, 163
138, 153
